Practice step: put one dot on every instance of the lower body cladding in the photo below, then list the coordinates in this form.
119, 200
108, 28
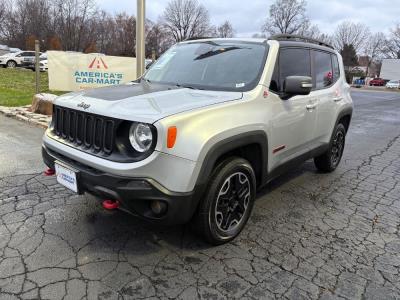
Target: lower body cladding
143, 197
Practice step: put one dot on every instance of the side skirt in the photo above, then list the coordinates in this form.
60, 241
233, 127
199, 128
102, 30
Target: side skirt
287, 166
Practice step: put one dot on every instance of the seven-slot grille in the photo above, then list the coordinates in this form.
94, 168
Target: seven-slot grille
92, 132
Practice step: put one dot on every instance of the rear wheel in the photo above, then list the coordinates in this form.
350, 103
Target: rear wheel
228, 203
328, 161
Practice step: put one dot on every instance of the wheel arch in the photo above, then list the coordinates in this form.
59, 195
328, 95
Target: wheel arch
11, 60
252, 146
344, 117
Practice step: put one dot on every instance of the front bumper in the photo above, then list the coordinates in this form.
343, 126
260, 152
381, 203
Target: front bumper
134, 194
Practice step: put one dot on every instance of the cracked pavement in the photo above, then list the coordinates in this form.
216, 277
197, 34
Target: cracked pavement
311, 235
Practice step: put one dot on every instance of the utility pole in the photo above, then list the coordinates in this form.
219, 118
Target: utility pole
37, 66
140, 37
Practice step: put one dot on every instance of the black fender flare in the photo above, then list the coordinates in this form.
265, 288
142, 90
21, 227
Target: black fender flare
348, 111
258, 137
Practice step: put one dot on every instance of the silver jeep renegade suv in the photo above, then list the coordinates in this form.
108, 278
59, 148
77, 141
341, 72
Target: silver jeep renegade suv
210, 123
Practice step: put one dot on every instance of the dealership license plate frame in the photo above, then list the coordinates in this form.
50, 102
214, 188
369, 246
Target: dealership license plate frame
62, 168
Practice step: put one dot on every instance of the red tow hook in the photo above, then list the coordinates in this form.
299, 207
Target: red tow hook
49, 172
110, 204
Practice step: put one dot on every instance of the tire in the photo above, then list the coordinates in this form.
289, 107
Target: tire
228, 202
11, 64
328, 161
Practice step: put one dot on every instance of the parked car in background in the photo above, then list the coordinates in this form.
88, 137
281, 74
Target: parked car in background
4, 49
377, 82
17, 59
42, 64
393, 84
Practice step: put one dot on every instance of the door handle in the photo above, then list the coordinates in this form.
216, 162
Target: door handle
337, 99
311, 106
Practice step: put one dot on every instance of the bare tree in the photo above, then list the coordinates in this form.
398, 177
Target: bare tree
23, 20
374, 46
157, 39
73, 18
3, 11
287, 17
349, 33
225, 30
312, 31
392, 44
185, 19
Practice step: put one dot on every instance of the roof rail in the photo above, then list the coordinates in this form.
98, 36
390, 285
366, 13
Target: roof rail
195, 38
298, 38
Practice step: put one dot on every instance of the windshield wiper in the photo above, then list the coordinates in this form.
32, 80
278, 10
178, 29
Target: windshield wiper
147, 80
187, 86
216, 52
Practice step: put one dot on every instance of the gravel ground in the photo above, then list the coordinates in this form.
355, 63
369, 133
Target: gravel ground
311, 235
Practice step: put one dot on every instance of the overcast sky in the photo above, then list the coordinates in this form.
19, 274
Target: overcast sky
247, 16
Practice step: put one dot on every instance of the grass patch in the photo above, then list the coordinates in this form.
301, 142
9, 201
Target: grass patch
17, 86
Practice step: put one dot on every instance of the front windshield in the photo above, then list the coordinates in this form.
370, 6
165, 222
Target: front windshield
211, 65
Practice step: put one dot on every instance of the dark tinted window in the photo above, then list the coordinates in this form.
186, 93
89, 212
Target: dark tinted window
322, 69
294, 62
335, 66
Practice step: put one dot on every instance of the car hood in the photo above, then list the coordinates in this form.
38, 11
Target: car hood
143, 102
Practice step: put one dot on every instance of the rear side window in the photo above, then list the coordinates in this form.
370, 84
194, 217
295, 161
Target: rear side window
322, 69
335, 66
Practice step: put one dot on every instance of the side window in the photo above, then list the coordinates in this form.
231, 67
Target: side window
335, 66
322, 69
292, 62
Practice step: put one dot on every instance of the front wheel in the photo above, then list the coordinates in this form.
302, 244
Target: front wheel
11, 64
228, 202
328, 161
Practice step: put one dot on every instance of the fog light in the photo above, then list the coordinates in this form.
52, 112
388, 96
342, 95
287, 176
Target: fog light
158, 207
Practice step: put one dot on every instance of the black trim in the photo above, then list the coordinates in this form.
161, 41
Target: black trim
258, 137
134, 194
289, 165
299, 38
348, 111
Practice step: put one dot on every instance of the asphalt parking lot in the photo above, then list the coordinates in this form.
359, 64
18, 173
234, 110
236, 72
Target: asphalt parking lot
311, 235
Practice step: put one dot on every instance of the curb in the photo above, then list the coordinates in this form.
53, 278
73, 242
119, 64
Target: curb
22, 113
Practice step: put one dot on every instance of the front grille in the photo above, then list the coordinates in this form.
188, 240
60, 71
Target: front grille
88, 131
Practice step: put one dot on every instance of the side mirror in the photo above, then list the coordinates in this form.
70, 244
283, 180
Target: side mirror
297, 85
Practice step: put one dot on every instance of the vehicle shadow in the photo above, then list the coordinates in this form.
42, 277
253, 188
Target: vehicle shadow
139, 237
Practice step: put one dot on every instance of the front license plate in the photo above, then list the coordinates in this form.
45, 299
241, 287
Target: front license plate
66, 177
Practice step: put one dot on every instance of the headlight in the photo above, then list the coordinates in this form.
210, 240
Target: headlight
141, 137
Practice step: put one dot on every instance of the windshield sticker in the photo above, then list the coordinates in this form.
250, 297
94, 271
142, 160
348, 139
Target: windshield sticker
239, 85
164, 60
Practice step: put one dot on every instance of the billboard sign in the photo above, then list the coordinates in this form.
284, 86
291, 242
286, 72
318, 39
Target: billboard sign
73, 71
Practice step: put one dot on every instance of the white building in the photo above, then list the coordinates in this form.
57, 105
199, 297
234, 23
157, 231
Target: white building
390, 69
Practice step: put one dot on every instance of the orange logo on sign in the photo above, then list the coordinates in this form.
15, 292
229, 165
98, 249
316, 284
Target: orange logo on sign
98, 63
